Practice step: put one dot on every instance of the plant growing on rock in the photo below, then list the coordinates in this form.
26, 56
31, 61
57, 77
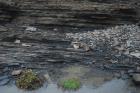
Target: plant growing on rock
28, 80
70, 84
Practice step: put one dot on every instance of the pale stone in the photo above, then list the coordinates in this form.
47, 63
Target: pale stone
25, 45
136, 78
55, 29
47, 77
16, 72
29, 28
76, 45
135, 54
17, 41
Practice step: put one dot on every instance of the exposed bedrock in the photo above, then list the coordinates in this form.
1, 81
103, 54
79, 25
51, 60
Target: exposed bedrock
89, 13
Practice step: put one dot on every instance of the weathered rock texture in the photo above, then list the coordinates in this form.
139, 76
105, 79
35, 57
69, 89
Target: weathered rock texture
47, 44
73, 12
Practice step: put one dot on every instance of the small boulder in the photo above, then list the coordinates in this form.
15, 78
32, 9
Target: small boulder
30, 28
136, 78
76, 45
17, 41
55, 29
46, 76
16, 72
135, 54
25, 45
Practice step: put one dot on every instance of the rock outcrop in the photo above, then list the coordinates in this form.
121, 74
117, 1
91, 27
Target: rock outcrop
89, 13
33, 32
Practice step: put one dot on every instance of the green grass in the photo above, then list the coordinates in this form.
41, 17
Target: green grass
28, 80
70, 84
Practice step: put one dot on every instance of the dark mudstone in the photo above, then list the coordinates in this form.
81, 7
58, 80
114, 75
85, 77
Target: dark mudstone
73, 12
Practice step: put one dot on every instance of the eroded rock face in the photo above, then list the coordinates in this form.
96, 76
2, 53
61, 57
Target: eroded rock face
89, 13
40, 47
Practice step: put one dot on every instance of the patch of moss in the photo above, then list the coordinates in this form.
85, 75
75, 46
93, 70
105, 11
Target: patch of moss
70, 84
29, 80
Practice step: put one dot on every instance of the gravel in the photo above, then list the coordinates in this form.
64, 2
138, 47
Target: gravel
125, 37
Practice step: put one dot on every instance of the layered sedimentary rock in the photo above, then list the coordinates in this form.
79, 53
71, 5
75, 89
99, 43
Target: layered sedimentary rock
76, 12
38, 48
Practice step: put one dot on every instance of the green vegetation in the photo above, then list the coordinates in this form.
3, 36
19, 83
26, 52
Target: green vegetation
28, 80
70, 84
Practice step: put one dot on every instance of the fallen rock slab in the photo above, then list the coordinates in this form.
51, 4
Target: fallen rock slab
137, 55
136, 78
16, 72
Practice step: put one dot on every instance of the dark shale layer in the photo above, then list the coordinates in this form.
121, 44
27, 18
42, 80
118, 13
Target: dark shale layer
87, 13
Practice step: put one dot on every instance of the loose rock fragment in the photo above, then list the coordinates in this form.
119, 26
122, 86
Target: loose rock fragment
29, 28
135, 54
136, 78
47, 77
17, 41
16, 72
76, 45
25, 45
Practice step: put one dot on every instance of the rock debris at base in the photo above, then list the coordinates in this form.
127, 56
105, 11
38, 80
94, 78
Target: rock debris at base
125, 39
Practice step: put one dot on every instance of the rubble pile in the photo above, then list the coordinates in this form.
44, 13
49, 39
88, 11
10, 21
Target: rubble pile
124, 38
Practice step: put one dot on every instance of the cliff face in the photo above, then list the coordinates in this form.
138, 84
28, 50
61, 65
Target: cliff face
42, 48
70, 12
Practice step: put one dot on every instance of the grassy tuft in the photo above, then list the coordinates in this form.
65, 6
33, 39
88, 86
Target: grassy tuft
28, 80
70, 84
